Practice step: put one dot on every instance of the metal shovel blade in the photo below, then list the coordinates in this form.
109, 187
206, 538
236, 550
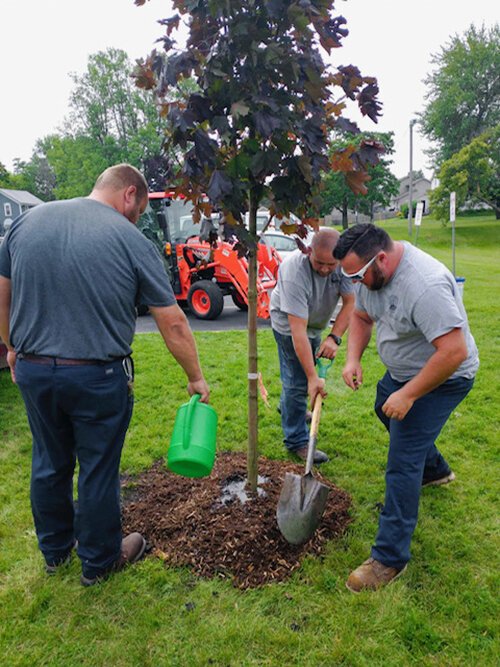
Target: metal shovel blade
300, 507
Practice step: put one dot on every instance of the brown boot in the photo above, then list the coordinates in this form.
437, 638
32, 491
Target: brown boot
133, 547
372, 574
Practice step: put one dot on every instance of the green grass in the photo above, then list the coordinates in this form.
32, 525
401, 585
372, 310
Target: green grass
444, 611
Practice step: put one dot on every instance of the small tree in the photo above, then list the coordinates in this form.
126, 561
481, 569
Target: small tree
258, 125
473, 173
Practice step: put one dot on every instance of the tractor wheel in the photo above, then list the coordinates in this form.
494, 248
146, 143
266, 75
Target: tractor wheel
205, 300
239, 301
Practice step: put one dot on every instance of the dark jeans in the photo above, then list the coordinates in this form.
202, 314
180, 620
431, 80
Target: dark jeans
76, 413
293, 401
412, 453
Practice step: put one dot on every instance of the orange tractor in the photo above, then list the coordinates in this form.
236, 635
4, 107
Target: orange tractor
203, 271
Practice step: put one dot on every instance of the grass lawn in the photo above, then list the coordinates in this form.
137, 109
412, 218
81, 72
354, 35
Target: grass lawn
443, 611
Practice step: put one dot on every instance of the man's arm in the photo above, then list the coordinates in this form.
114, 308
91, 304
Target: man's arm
451, 351
302, 345
178, 337
5, 295
360, 331
329, 347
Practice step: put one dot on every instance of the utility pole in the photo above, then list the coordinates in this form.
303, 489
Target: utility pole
410, 185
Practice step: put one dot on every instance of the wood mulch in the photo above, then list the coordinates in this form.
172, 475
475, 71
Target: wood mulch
195, 523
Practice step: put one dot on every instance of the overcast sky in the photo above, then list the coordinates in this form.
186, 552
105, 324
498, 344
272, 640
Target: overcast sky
43, 40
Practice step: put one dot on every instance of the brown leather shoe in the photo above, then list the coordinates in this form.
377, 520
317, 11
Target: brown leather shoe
372, 574
133, 547
319, 456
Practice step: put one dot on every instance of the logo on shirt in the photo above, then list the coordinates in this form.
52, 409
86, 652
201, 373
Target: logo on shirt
393, 303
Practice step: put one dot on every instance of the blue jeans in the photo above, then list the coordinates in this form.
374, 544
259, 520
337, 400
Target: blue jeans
76, 413
412, 454
293, 401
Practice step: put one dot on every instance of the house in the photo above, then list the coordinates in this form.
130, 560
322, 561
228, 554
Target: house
12, 204
421, 188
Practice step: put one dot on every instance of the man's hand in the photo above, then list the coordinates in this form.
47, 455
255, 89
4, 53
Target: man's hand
315, 386
353, 375
199, 387
328, 348
397, 405
11, 360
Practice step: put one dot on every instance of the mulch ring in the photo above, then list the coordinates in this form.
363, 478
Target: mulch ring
202, 523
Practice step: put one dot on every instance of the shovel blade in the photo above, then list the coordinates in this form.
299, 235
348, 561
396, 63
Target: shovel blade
300, 507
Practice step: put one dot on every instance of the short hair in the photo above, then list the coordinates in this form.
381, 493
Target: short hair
364, 240
122, 176
325, 238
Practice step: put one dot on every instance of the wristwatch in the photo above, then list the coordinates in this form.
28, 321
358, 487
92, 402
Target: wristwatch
337, 339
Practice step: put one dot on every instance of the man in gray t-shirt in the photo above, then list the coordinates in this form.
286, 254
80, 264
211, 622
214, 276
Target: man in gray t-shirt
71, 275
423, 339
302, 304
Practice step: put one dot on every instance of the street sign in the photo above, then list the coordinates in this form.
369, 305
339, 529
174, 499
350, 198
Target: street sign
418, 213
453, 200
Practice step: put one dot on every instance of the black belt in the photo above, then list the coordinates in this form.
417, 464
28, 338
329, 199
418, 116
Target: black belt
59, 361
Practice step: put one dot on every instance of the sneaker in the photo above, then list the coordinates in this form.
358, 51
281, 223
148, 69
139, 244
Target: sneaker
133, 547
445, 479
54, 567
372, 574
319, 456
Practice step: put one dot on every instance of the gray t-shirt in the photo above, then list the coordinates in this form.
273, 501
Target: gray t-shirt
302, 292
78, 269
419, 304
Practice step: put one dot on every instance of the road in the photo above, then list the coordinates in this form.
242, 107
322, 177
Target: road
230, 319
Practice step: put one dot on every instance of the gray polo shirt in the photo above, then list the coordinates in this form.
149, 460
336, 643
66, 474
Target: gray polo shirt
78, 268
419, 304
302, 292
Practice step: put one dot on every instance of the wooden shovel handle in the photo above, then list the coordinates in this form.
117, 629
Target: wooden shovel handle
313, 432
318, 403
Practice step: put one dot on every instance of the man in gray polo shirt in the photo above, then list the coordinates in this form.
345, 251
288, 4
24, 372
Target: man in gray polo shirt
71, 275
424, 340
302, 304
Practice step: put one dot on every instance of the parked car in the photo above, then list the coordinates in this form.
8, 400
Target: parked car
284, 244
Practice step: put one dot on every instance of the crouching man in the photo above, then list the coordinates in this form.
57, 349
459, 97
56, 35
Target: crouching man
424, 341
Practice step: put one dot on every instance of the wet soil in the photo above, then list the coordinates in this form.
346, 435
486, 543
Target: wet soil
210, 526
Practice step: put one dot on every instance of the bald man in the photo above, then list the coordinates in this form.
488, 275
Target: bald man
302, 305
71, 275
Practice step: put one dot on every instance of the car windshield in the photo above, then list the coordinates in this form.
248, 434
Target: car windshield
282, 243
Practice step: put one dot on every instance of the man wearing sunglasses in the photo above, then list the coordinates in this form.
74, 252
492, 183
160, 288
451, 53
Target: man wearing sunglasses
423, 339
308, 290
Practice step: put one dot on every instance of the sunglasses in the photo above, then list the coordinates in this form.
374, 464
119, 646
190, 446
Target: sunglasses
359, 275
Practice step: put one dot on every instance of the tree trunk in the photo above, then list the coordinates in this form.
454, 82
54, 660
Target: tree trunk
253, 413
345, 223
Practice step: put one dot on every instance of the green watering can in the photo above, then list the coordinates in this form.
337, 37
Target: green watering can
192, 446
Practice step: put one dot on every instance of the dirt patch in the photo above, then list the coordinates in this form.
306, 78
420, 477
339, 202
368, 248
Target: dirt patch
203, 524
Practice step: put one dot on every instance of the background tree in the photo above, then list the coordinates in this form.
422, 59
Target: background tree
258, 125
473, 173
463, 91
383, 185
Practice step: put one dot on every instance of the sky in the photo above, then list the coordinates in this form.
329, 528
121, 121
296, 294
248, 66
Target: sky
44, 40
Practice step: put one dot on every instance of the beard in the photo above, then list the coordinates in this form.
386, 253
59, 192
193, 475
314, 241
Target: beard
378, 279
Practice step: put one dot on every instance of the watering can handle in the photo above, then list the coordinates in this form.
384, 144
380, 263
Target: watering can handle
186, 439
323, 366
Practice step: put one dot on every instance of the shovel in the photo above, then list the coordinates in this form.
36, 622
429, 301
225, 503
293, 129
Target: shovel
302, 499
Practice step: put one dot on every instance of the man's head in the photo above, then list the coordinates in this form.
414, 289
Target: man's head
322, 246
364, 252
124, 188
